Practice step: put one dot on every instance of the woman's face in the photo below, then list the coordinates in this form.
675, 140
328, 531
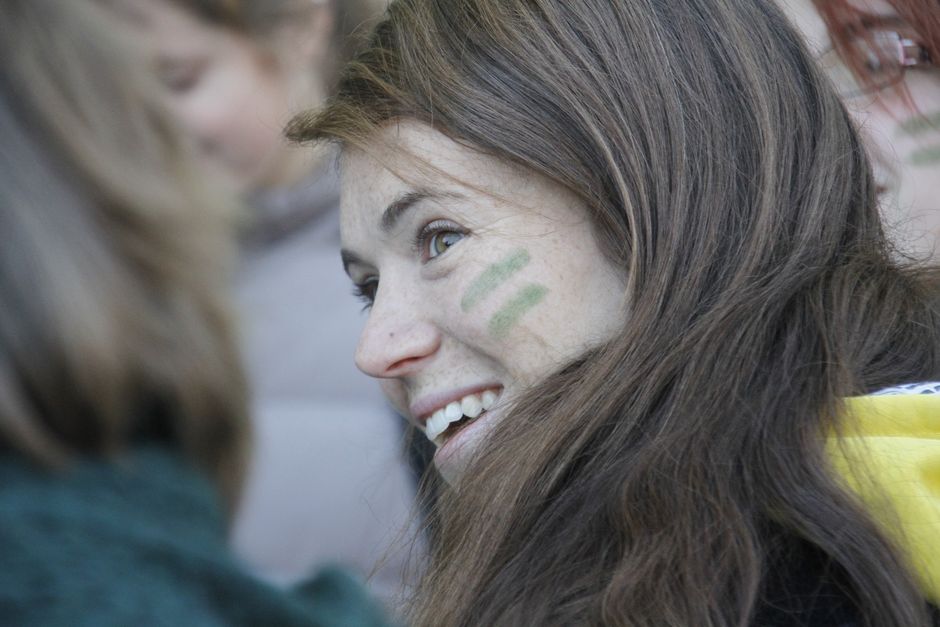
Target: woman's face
483, 279
904, 141
229, 92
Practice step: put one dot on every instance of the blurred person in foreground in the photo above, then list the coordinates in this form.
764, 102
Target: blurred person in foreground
882, 56
328, 483
123, 426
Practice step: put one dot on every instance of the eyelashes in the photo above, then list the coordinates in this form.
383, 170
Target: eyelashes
365, 292
430, 242
436, 238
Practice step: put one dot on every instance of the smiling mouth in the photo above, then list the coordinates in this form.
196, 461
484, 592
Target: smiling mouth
450, 419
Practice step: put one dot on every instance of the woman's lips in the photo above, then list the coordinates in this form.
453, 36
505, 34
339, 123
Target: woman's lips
424, 408
454, 455
457, 414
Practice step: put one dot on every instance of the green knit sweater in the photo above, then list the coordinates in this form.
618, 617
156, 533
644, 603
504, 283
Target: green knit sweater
141, 541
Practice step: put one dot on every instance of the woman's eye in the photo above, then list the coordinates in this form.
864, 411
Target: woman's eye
365, 291
435, 238
440, 241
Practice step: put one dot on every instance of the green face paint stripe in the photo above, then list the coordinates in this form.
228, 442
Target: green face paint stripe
920, 124
492, 277
926, 156
507, 317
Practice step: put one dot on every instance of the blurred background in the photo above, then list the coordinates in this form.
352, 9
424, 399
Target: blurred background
326, 483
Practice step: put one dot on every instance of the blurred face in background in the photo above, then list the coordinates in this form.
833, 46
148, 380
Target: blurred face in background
900, 121
234, 93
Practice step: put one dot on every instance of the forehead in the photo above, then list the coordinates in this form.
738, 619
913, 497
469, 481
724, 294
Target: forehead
165, 17
173, 30
407, 156
417, 155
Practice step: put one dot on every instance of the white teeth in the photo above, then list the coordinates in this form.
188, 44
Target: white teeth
471, 406
436, 424
489, 399
453, 411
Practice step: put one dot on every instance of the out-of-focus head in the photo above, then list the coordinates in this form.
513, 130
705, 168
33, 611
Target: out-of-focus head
234, 72
884, 59
114, 329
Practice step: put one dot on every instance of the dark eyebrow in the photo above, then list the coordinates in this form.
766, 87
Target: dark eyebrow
397, 208
393, 213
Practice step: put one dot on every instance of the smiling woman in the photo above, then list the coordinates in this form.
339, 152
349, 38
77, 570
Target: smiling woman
480, 277
635, 270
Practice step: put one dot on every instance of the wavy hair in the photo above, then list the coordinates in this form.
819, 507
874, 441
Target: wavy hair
114, 328
652, 481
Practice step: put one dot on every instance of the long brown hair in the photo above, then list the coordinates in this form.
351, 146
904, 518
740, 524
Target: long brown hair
114, 327
649, 482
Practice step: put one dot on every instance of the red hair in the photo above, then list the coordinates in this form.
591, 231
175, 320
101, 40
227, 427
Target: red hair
847, 23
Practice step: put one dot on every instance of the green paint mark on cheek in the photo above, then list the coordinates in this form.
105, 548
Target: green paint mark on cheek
507, 317
493, 277
925, 156
920, 124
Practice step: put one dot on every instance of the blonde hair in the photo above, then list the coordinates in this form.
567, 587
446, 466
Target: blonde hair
115, 327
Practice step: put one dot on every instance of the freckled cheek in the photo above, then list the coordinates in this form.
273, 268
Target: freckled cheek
541, 346
467, 328
443, 304
518, 331
511, 309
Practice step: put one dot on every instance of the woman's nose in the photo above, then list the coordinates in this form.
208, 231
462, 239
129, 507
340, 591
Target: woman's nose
396, 341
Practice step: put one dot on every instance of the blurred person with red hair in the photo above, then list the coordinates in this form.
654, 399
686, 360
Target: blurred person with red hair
883, 57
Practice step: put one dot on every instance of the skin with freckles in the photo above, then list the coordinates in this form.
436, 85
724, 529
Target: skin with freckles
477, 280
492, 277
507, 317
904, 141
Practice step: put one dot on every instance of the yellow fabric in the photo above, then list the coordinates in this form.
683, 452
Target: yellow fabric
890, 451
